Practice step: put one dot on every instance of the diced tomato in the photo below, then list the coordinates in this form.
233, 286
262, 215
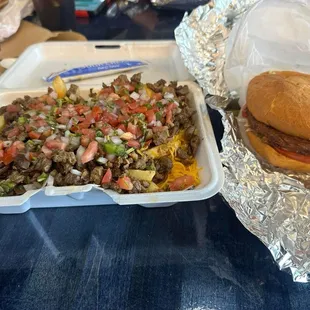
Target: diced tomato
55, 145
125, 183
83, 125
28, 127
90, 152
34, 135
63, 120
133, 143
80, 118
96, 113
159, 128
107, 178
122, 127
7, 157
81, 109
36, 105
85, 140
182, 183
65, 113
169, 117
132, 128
293, 155
41, 123
113, 119
106, 90
157, 96
90, 133
11, 152
122, 118
1, 155
11, 108
121, 103
13, 132
171, 106
50, 100
150, 115
33, 155
106, 129
48, 153
133, 105
142, 109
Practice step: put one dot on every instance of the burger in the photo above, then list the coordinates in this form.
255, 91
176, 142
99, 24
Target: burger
278, 114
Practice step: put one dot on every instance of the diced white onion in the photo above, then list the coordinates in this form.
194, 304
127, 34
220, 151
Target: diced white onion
70, 123
67, 133
100, 139
176, 103
80, 152
37, 141
75, 141
29, 187
61, 126
41, 129
52, 137
65, 140
102, 160
72, 97
116, 140
27, 156
7, 143
54, 95
158, 124
76, 172
152, 123
111, 157
164, 101
135, 95
168, 96
111, 132
50, 181
43, 116
47, 107
119, 131
32, 113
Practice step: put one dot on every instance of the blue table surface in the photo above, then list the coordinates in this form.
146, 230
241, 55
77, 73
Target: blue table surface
192, 256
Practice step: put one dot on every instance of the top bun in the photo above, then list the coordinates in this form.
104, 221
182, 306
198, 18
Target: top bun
281, 100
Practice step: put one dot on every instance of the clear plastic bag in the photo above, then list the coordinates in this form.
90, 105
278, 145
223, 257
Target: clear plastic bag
272, 35
11, 15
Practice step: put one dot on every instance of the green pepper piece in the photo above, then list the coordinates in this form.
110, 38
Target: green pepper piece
22, 120
42, 177
114, 149
158, 116
99, 133
159, 104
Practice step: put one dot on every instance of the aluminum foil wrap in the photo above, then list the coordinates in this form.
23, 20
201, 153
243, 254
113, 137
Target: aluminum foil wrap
270, 203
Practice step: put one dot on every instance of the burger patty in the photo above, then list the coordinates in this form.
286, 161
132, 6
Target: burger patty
277, 138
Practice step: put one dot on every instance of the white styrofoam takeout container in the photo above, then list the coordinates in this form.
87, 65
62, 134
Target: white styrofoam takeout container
165, 63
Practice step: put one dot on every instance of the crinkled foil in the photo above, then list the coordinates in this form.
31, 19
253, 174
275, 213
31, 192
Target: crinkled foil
270, 203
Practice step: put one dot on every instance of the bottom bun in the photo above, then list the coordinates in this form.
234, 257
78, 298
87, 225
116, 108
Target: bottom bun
275, 158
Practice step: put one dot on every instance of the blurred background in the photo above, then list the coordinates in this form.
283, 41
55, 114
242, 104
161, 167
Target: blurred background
100, 19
